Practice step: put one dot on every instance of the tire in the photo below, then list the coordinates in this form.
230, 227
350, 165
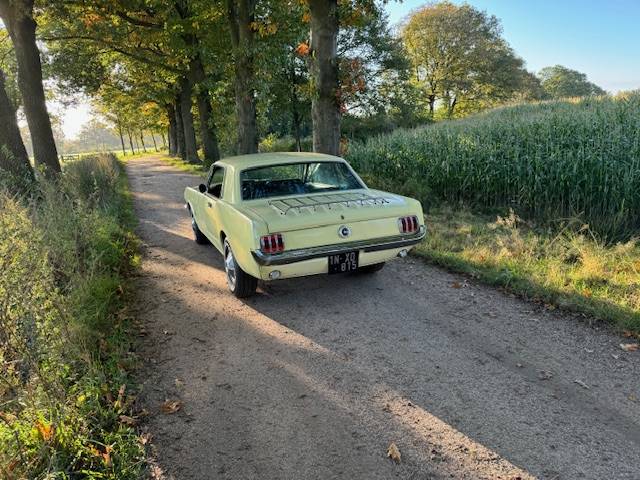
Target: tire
376, 267
239, 282
198, 236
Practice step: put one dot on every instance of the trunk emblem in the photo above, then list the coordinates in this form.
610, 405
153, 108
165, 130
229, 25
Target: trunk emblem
344, 231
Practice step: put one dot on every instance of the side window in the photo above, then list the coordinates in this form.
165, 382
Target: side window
214, 187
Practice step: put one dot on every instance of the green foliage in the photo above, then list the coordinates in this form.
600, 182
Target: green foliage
273, 143
460, 61
65, 255
549, 161
562, 82
567, 268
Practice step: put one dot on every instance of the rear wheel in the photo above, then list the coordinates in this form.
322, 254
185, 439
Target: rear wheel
240, 283
376, 267
199, 237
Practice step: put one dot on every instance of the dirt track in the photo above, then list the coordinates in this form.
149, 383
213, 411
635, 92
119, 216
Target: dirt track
314, 378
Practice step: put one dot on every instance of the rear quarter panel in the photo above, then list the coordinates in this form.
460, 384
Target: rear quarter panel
242, 230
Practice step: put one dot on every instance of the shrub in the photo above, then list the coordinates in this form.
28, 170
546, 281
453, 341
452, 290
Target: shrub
549, 161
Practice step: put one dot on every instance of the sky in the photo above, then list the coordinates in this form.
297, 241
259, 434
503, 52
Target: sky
600, 38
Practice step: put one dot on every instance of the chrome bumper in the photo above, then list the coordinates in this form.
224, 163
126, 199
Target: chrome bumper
372, 245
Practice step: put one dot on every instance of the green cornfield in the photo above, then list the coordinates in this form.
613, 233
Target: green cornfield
552, 162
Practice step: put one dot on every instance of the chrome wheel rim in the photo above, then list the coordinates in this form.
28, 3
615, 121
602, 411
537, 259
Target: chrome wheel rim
230, 268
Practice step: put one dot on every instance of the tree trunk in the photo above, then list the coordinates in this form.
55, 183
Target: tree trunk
133, 152
173, 142
325, 105
18, 19
153, 137
241, 15
191, 149
144, 147
207, 128
295, 108
124, 151
195, 78
164, 140
205, 114
432, 104
13, 155
452, 106
180, 150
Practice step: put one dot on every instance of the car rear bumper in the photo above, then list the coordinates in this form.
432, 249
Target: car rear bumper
371, 245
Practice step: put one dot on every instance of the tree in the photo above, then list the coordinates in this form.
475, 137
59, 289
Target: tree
459, 58
123, 41
13, 155
325, 105
18, 19
562, 82
241, 16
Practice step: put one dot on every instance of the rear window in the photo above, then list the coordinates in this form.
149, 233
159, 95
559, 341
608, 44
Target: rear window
297, 179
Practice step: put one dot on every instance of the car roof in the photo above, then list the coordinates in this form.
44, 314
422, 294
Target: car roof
241, 162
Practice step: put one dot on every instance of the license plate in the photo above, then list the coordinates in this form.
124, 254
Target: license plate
343, 262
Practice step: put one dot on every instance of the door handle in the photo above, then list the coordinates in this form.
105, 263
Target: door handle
209, 204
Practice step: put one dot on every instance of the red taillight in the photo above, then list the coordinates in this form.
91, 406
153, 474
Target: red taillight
408, 224
272, 243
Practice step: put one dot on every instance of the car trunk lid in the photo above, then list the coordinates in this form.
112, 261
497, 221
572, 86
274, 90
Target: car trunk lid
308, 220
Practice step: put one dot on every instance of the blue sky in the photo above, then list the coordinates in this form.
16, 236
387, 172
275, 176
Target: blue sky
599, 38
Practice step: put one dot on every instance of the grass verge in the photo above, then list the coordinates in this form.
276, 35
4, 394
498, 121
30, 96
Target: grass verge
66, 253
196, 169
568, 268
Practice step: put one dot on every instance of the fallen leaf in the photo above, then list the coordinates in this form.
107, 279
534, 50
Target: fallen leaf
627, 334
106, 456
629, 347
127, 420
633, 397
179, 383
303, 49
582, 384
12, 465
46, 430
456, 285
171, 406
545, 375
145, 438
394, 453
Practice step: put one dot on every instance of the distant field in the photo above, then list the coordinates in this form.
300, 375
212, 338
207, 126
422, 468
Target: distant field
552, 162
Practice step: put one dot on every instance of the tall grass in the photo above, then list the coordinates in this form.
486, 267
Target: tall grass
549, 161
65, 253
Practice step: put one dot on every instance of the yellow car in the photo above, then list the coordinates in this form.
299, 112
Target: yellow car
284, 215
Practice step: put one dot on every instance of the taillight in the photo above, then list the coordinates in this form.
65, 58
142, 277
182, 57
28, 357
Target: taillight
272, 243
408, 224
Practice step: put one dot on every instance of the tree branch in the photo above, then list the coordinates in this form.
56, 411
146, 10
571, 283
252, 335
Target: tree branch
115, 48
137, 21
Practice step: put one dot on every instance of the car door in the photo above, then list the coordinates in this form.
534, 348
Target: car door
213, 196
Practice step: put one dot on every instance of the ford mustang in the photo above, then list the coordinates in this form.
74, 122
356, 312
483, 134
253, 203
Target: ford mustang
285, 215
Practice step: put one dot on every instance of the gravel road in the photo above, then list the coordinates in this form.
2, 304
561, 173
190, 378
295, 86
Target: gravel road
314, 378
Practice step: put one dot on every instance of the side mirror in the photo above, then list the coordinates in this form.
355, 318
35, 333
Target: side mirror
203, 188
